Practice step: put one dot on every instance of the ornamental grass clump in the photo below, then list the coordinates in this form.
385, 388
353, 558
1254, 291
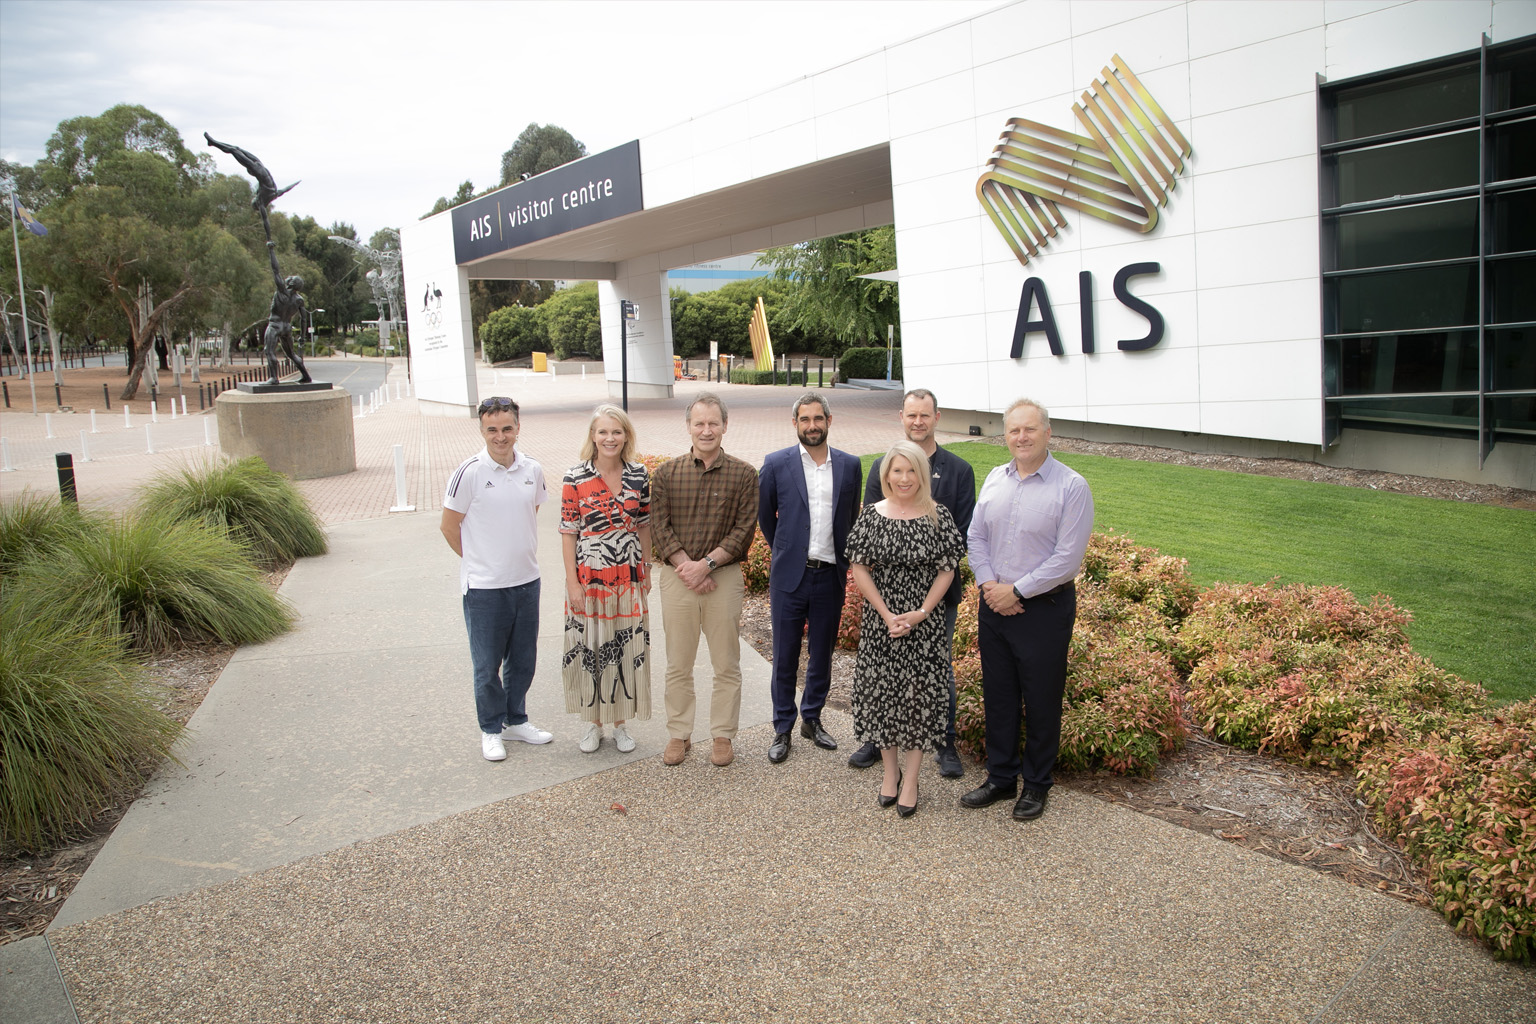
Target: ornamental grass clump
155, 582
1463, 803
78, 725
258, 507
33, 525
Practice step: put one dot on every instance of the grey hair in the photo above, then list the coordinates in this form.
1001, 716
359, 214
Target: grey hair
920, 394
1045, 417
807, 399
707, 398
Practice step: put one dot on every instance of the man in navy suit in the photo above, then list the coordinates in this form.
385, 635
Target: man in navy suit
808, 495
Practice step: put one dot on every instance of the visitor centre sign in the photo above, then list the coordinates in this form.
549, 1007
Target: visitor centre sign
579, 194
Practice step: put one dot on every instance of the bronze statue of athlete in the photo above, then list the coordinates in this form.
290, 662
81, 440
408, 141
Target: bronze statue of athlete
287, 303
266, 187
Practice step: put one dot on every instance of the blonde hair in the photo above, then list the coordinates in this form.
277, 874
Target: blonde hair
919, 462
613, 412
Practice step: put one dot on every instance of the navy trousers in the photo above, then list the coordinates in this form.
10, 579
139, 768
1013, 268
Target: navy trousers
818, 601
1023, 678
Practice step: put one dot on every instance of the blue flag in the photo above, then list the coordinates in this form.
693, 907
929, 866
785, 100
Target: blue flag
30, 222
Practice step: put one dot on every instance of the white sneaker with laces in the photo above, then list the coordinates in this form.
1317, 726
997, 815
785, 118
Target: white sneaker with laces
527, 733
492, 747
592, 738
622, 739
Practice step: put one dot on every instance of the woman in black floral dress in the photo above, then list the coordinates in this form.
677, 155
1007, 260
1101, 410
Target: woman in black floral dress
904, 551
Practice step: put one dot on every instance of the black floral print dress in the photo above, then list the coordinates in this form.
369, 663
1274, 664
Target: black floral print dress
901, 685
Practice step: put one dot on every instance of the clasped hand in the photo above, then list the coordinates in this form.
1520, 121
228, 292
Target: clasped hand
903, 624
695, 576
1001, 598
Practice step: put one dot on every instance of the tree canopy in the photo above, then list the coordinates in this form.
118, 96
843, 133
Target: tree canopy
540, 148
832, 299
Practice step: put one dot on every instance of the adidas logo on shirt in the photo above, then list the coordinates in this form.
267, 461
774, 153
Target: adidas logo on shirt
489, 484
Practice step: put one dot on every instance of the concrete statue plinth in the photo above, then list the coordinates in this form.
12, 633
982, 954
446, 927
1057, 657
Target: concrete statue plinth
301, 434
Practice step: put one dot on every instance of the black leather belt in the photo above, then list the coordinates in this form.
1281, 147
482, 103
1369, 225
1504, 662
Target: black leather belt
811, 563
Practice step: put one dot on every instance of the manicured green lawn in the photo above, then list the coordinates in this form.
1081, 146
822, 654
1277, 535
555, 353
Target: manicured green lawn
1467, 572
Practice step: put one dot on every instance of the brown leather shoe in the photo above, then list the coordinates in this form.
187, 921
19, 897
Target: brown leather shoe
675, 751
723, 754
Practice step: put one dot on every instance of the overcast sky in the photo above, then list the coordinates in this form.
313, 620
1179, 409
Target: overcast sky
380, 107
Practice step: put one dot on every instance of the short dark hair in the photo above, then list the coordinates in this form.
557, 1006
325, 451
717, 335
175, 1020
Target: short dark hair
807, 399
499, 403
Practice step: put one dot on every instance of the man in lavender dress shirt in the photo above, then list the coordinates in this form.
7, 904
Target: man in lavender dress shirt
1026, 541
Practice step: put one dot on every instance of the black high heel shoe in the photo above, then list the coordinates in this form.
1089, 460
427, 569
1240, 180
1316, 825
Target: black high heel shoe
904, 810
886, 801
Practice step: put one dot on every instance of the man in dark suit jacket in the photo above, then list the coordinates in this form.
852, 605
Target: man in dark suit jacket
808, 495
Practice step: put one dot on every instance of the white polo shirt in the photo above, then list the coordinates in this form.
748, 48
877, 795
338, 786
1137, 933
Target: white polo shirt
500, 534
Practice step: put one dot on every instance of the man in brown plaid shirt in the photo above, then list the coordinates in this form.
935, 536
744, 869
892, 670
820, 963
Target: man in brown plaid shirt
703, 515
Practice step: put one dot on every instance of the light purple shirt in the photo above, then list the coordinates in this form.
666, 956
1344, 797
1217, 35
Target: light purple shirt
1031, 532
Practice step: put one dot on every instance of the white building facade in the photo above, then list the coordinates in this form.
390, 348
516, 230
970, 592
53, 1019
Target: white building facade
1301, 228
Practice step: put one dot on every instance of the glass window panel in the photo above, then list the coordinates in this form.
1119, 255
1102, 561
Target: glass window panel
1514, 79
1513, 357
1382, 107
1514, 419
1437, 414
1406, 168
1399, 300
1513, 220
1513, 286
1410, 234
1514, 150
1391, 363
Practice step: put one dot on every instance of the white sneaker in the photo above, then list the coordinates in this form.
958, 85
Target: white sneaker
528, 733
622, 739
492, 747
592, 738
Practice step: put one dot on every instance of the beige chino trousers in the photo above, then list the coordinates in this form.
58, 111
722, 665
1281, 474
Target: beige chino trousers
717, 616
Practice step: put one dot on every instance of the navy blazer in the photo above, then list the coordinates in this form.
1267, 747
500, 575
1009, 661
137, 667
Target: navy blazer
784, 511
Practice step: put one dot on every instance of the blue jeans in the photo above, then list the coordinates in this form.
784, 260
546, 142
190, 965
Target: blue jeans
503, 629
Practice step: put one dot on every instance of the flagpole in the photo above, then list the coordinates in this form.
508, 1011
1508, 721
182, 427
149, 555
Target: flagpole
21, 286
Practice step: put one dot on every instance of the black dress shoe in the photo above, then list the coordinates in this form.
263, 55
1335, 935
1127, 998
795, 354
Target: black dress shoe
811, 729
904, 810
1030, 806
949, 763
864, 757
886, 801
986, 794
780, 748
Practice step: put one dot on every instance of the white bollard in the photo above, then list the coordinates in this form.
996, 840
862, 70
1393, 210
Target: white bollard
397, 391
154, 412
149, 440
408, 389
126, 425
48, 423
85, 448
5, 456
583, 371
93, 422
400, 505
207, 431
173, 410
183, 405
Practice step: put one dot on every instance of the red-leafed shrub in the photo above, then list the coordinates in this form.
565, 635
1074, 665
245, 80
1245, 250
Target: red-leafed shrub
851, 617
1463, 802
754, 567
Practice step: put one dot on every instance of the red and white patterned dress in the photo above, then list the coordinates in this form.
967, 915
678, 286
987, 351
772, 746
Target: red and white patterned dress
607, 663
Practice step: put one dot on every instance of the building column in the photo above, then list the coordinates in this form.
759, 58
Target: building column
650, 335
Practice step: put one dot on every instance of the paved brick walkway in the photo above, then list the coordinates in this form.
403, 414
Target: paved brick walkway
555, 411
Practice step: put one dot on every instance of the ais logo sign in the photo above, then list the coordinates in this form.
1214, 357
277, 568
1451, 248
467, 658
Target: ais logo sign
1121, 171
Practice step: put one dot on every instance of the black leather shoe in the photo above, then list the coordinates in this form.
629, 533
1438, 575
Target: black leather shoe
1030, 806
949, 763
886, 801
780, 749
987, 794
811, 729
865, 757
906, 811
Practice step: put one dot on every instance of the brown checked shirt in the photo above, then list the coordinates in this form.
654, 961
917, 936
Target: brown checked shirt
695, 510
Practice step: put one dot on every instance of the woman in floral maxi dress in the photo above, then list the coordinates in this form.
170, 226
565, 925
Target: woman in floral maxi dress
605, 505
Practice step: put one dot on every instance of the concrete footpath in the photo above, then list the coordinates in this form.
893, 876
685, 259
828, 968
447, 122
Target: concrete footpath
334, 848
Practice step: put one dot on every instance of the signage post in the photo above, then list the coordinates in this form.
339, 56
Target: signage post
628, 311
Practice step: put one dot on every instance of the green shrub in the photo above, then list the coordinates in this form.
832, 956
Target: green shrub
571, 318
258, 507
754, 567
1463, 802
513, 332
157, 582
32, 525
755, 376
868, 364
78, 725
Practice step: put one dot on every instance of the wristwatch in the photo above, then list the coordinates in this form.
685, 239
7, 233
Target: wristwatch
1017, 594
710, 562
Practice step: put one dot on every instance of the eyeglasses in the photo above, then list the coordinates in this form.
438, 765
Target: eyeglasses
497, 403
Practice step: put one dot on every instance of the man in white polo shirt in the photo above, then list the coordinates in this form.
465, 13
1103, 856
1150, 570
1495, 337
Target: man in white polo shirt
489, 521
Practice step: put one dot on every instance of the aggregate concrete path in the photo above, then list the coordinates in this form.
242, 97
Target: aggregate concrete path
334, 848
